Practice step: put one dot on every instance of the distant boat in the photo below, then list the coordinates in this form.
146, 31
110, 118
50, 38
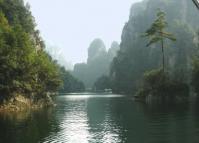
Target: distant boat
105, 91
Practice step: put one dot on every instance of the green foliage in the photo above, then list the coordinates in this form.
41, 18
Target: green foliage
3, 23
18, 14
159, 83
195, 75
195, 70
70, 83
134, 58
15, 48
25, 69
102, 83
47, 76
156, 33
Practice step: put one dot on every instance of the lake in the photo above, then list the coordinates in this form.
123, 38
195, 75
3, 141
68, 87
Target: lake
103, 119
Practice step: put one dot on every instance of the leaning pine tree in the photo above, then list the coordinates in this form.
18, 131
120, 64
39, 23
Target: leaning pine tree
156, 33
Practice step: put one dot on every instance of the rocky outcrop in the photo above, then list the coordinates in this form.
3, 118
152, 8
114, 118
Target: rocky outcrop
21, 103
98, 62
134, 58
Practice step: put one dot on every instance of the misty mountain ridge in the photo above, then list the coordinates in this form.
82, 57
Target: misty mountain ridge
98, 62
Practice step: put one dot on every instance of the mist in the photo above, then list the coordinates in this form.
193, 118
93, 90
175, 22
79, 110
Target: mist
97, 71
70, 26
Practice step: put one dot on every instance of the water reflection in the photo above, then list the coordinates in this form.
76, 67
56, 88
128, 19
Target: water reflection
168, 122
103, 119
85, 120
28, 126
103, 124
73, 126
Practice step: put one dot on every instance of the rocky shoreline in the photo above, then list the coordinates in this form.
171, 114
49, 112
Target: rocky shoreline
21, 103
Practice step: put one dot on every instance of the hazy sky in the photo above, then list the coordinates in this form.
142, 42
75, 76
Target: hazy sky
69, 26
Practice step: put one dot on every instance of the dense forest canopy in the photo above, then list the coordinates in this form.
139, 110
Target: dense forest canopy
134, 58
25, 69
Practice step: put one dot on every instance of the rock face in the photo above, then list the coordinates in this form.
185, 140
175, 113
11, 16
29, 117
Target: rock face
96, 50
112, 52
134, 58
21, 103
98, 62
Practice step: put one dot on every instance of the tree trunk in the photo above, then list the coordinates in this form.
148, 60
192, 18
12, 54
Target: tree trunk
162, 43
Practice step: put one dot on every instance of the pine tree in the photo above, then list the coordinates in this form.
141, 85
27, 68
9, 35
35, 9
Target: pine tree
156, 33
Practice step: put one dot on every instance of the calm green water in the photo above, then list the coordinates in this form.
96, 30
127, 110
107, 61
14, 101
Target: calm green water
103, 119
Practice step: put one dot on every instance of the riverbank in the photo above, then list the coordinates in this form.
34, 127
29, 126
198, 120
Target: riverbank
21, 103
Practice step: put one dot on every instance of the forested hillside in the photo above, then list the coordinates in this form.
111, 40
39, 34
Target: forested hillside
70, 83
134, 57
25, 68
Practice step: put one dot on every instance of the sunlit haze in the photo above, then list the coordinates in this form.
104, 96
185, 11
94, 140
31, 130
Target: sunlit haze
69, 26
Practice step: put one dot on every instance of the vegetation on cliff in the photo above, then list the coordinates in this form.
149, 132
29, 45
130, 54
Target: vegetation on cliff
70, 83
135, 59
26, 70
